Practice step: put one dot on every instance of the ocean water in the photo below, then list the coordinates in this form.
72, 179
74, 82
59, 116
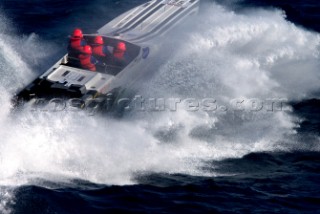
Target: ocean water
256, 151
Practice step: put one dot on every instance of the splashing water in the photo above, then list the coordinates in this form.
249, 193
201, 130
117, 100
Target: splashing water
228, 56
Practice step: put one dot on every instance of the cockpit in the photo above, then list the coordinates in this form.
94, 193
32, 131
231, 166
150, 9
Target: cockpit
108, 64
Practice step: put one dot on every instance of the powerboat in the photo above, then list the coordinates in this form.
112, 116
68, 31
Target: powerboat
139, 29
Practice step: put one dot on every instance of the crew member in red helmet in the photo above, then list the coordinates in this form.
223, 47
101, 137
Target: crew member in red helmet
76, 42
119, 53
87, 61
98, 47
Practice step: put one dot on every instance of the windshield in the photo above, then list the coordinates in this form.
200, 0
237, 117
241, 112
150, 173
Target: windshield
111, 62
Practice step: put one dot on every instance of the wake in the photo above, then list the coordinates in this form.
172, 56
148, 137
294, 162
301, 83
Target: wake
224, 56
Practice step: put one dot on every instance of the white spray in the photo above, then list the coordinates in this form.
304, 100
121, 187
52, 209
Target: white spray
228, 56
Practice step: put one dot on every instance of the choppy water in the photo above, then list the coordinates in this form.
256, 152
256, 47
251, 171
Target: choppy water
226, 160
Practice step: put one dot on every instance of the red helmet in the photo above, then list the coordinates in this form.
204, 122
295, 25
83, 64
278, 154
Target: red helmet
98, 40
121, 46
77, 33
87, 49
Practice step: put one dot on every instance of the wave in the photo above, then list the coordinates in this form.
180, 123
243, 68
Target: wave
225, 56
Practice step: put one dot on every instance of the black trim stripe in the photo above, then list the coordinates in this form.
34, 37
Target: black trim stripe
81, 78
65, 73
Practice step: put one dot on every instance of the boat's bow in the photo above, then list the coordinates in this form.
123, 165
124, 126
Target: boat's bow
150, 20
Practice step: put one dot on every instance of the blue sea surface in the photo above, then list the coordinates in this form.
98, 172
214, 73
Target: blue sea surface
87, 174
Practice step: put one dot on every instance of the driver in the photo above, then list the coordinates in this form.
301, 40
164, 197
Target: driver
119, 54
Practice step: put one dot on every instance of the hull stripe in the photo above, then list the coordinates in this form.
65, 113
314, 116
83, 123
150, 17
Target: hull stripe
177, 15
142, 19
138, 16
